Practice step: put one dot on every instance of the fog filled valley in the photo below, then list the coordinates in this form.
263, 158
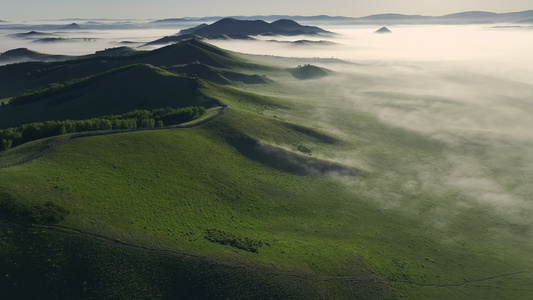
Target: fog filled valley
467, 88
348, 165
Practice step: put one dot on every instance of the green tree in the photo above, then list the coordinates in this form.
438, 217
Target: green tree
6, 144
147, 123
63, 129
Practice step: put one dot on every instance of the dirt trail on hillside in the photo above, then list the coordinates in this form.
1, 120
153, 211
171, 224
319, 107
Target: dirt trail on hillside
50, 147
271, 271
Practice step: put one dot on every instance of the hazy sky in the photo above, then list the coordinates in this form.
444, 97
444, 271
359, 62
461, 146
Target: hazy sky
143, 9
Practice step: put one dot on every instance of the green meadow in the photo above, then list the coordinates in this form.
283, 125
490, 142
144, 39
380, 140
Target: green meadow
293, 193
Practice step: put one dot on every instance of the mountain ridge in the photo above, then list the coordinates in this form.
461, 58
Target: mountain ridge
372, 19
254, 27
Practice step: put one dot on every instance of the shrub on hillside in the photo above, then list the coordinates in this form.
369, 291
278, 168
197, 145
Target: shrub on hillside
47, 213
225, 238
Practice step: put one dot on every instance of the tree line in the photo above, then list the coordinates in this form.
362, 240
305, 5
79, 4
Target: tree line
156, 118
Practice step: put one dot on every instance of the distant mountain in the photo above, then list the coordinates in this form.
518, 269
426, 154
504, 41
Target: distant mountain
308, 42
233, 29
173, 20
456, 18
378, 19
93, 23
24, 54
193, 29
395, 17
72, 26
471, 15
31, 35
309, 72
521, 15
63, 40
527, 21
383, 30
256, 27
269, 18
305, 42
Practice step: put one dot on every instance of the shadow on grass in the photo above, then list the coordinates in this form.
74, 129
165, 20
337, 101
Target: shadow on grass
287, 161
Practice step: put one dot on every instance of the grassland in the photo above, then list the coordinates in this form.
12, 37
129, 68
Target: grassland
141, 205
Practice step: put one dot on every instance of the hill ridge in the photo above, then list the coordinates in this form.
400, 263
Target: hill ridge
69, 137
254, 27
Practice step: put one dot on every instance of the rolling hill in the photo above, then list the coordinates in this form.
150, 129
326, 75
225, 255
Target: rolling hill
103, 88
24, 54
16, 78
235, 29
31, 35
383, 30
309, 72
111, 93
257, 27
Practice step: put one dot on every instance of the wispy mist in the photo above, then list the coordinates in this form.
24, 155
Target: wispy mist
469, 88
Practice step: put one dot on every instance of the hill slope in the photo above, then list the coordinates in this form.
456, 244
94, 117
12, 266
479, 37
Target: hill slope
17, 78
24, 54
134, 87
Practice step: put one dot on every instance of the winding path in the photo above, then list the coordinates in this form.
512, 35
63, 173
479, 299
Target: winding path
272, 271
50, 147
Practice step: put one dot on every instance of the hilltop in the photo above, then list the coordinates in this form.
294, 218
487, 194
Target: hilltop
115, 81
309, 72
257, 27
24, 54
15, 79
230, 28
31, 34
383, 30
112, 92
73, 26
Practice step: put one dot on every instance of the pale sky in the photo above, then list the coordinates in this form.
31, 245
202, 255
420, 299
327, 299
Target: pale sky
17, 10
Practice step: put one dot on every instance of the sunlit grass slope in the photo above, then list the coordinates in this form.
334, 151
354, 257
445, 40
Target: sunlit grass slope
166, 189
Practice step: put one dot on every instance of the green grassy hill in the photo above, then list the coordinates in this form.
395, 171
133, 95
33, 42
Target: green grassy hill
24, 54
264, 201
308, 72
17, 78
135, 87
218, 75
167, 192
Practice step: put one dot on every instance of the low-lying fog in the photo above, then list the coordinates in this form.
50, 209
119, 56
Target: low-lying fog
81, 42
470, 87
